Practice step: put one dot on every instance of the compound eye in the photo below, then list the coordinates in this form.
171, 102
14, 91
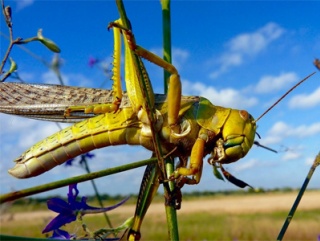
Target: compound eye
244, 114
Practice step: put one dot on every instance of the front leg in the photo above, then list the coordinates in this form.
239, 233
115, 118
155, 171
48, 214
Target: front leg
196, 162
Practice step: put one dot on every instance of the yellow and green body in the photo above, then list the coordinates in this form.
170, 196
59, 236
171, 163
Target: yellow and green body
202, 125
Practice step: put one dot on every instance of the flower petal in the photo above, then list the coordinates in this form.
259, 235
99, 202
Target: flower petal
88, 209
60, 234
58, 205
69, 162
59, 221
72, 197
89, 155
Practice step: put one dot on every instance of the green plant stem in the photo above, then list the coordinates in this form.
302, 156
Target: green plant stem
298, 198
145, 85
171, 213
168, 164
166, 32
82, 178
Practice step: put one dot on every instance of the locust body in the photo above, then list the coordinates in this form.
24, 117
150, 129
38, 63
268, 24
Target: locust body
186, 126
167, 125
197, 116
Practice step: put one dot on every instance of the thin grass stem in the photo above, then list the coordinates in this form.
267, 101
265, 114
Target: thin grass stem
82, 178
298, 198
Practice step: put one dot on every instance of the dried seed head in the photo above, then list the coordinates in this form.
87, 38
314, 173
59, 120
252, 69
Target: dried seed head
8, 15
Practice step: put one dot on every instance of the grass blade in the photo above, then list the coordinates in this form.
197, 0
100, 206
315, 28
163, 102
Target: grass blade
298, 198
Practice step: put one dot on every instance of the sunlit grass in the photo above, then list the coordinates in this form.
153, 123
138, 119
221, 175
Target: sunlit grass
196, 225
210, 226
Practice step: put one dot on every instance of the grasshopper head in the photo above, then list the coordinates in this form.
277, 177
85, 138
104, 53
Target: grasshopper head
238, 134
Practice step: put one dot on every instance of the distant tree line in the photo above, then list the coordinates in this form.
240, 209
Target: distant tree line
108, 197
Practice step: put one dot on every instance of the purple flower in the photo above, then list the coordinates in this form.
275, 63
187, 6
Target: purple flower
89, 155
92, 61
68, 211
61, 234
69, 162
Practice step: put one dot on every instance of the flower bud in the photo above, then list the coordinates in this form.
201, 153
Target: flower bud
47, 42
13, 66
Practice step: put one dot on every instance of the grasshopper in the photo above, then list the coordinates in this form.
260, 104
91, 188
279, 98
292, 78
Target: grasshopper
188, 126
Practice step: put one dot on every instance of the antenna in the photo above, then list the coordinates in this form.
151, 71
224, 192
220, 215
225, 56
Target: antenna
265, 147
300, 82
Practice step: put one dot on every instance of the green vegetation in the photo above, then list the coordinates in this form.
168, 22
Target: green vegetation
159, 197
193, 224
200, 226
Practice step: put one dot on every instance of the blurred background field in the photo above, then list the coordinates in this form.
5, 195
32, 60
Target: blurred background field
246, 216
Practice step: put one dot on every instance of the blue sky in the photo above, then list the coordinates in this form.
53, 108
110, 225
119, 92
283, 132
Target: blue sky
240, 54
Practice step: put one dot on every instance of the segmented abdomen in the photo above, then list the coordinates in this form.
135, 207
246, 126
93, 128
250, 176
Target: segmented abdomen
100, 131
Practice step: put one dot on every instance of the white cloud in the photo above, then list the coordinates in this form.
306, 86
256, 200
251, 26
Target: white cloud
290, 155
74, 79
10, 123
179, 57
246, 45
272, 139
225, 97
49, 77
226, 61
305, 130
281, 130
305, 100
309, 161
279, 127
39, 131
251, 43
271, 83
245, 165
21, 4
119, 155
24, 132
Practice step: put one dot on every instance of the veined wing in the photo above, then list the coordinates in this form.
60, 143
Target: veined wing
49, 102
